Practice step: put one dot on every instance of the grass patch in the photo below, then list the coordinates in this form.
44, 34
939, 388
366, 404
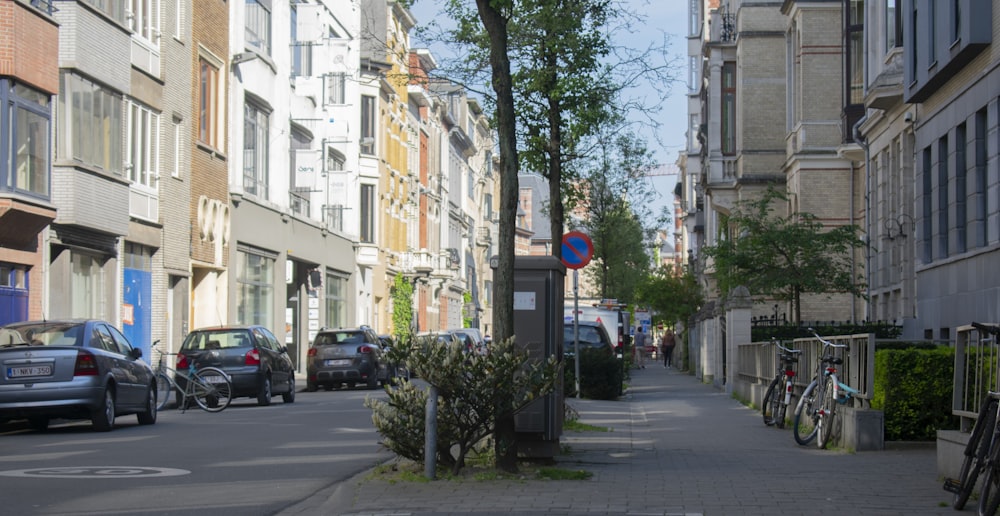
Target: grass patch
563, 474
576, 426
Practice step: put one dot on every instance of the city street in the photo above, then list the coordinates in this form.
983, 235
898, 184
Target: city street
244, 460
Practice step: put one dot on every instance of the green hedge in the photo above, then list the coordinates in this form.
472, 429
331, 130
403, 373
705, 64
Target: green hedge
600, 376
913, 388
882, 330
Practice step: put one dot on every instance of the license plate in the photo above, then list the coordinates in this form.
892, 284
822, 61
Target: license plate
338, 362
27, 371
214, 379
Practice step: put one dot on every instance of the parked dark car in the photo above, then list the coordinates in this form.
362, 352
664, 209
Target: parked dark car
592, 336
73, 369
257, 365
472, 338
347, 356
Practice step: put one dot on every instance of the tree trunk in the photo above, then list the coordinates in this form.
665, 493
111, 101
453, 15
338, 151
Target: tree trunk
495, 24
554, 149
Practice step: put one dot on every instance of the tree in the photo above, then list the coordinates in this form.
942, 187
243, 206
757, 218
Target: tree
616, 205
402, 309
783, 257
672, 295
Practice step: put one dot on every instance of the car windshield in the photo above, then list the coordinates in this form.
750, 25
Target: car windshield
42, 334
339, 337
201, 340
588, 335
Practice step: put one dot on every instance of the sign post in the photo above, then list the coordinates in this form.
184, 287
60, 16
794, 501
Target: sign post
577, 250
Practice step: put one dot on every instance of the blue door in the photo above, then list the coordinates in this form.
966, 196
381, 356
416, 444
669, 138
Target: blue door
13, 293
137, 309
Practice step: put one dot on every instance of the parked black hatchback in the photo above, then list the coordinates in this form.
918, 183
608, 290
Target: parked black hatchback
256, 363
346, 356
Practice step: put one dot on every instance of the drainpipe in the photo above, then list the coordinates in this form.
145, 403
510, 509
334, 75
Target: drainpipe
856, 131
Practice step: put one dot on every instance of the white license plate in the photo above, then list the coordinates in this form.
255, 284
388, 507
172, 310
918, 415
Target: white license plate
338, 362
27, 371
214, 379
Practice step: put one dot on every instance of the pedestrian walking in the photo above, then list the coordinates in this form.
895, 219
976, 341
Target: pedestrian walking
667, 344
639, 348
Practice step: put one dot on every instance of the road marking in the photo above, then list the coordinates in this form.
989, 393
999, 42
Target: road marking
96, 472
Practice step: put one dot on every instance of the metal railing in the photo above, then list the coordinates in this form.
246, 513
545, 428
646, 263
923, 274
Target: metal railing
976, 372
757, 362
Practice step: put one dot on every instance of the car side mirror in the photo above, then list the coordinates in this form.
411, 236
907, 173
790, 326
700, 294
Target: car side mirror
135, 354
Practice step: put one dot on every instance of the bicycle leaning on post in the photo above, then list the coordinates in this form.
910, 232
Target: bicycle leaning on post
209, 387
982, 452
817, 408
779, 393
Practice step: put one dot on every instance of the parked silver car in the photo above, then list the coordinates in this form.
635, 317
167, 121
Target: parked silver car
73, 369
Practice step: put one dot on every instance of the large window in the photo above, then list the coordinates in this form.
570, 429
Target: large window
855, 52
86, 291
258, 26
25, 116
255, 146
367, 124
729, 108
367, 229
91, 124
961, 193
943, 229
335, 85
146, 19
981, 181
255, 287
143, 146
333, 214
301, 51
336, 300
893, 25
114, 9
209, 121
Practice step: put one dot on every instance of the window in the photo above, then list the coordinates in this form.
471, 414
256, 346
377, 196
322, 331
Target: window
25, 112
980, 214
301, 51
254, 287
258, 25
179, 20
91, 124
956, 16
178, 149
367, 229
255, 150
143, 146
114, 9
209, 130
694, 14
729, 108
961, 215
301, 159
928, 207
855, 52
367, 124
336, 300
893, 25
335, 84
942, 197
146, 19
86, 290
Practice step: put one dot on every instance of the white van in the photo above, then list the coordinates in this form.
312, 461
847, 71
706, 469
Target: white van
614, 321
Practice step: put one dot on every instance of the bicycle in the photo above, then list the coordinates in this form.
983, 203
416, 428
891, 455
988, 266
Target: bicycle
209, 387
775, 404
817, 408
981, 454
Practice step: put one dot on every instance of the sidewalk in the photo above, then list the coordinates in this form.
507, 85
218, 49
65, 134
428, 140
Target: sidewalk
677, 447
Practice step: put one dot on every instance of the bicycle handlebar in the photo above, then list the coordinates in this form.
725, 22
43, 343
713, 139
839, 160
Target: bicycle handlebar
826, 342
783, 348
988, 328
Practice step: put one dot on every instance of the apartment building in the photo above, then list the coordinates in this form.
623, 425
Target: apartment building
29, 83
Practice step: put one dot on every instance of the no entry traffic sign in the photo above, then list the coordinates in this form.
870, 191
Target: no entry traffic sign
577, 250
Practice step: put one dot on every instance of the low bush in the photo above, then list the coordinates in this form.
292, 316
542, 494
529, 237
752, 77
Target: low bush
913, 388
600, 376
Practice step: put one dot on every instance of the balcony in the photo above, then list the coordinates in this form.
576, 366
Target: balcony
483, 237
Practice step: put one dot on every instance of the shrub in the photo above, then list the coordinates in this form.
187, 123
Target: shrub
913, 388
473, 392
600, 376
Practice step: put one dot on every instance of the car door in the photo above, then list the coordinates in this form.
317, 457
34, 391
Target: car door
138, 372
277, 360
117, 363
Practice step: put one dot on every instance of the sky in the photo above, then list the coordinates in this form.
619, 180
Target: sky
661, 16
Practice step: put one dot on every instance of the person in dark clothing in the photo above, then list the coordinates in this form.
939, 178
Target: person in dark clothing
667, 344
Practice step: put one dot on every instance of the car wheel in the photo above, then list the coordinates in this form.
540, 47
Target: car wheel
264, 394
39, 423
289, 396
311, 386
103, 417
148, 416
350, 385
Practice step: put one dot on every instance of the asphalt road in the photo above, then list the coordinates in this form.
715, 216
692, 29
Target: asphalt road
244, 460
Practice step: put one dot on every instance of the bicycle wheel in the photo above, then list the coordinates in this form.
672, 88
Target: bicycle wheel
769, 408
163, 388
804, 424
828, 414
975, 452
989, 495
211, 389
